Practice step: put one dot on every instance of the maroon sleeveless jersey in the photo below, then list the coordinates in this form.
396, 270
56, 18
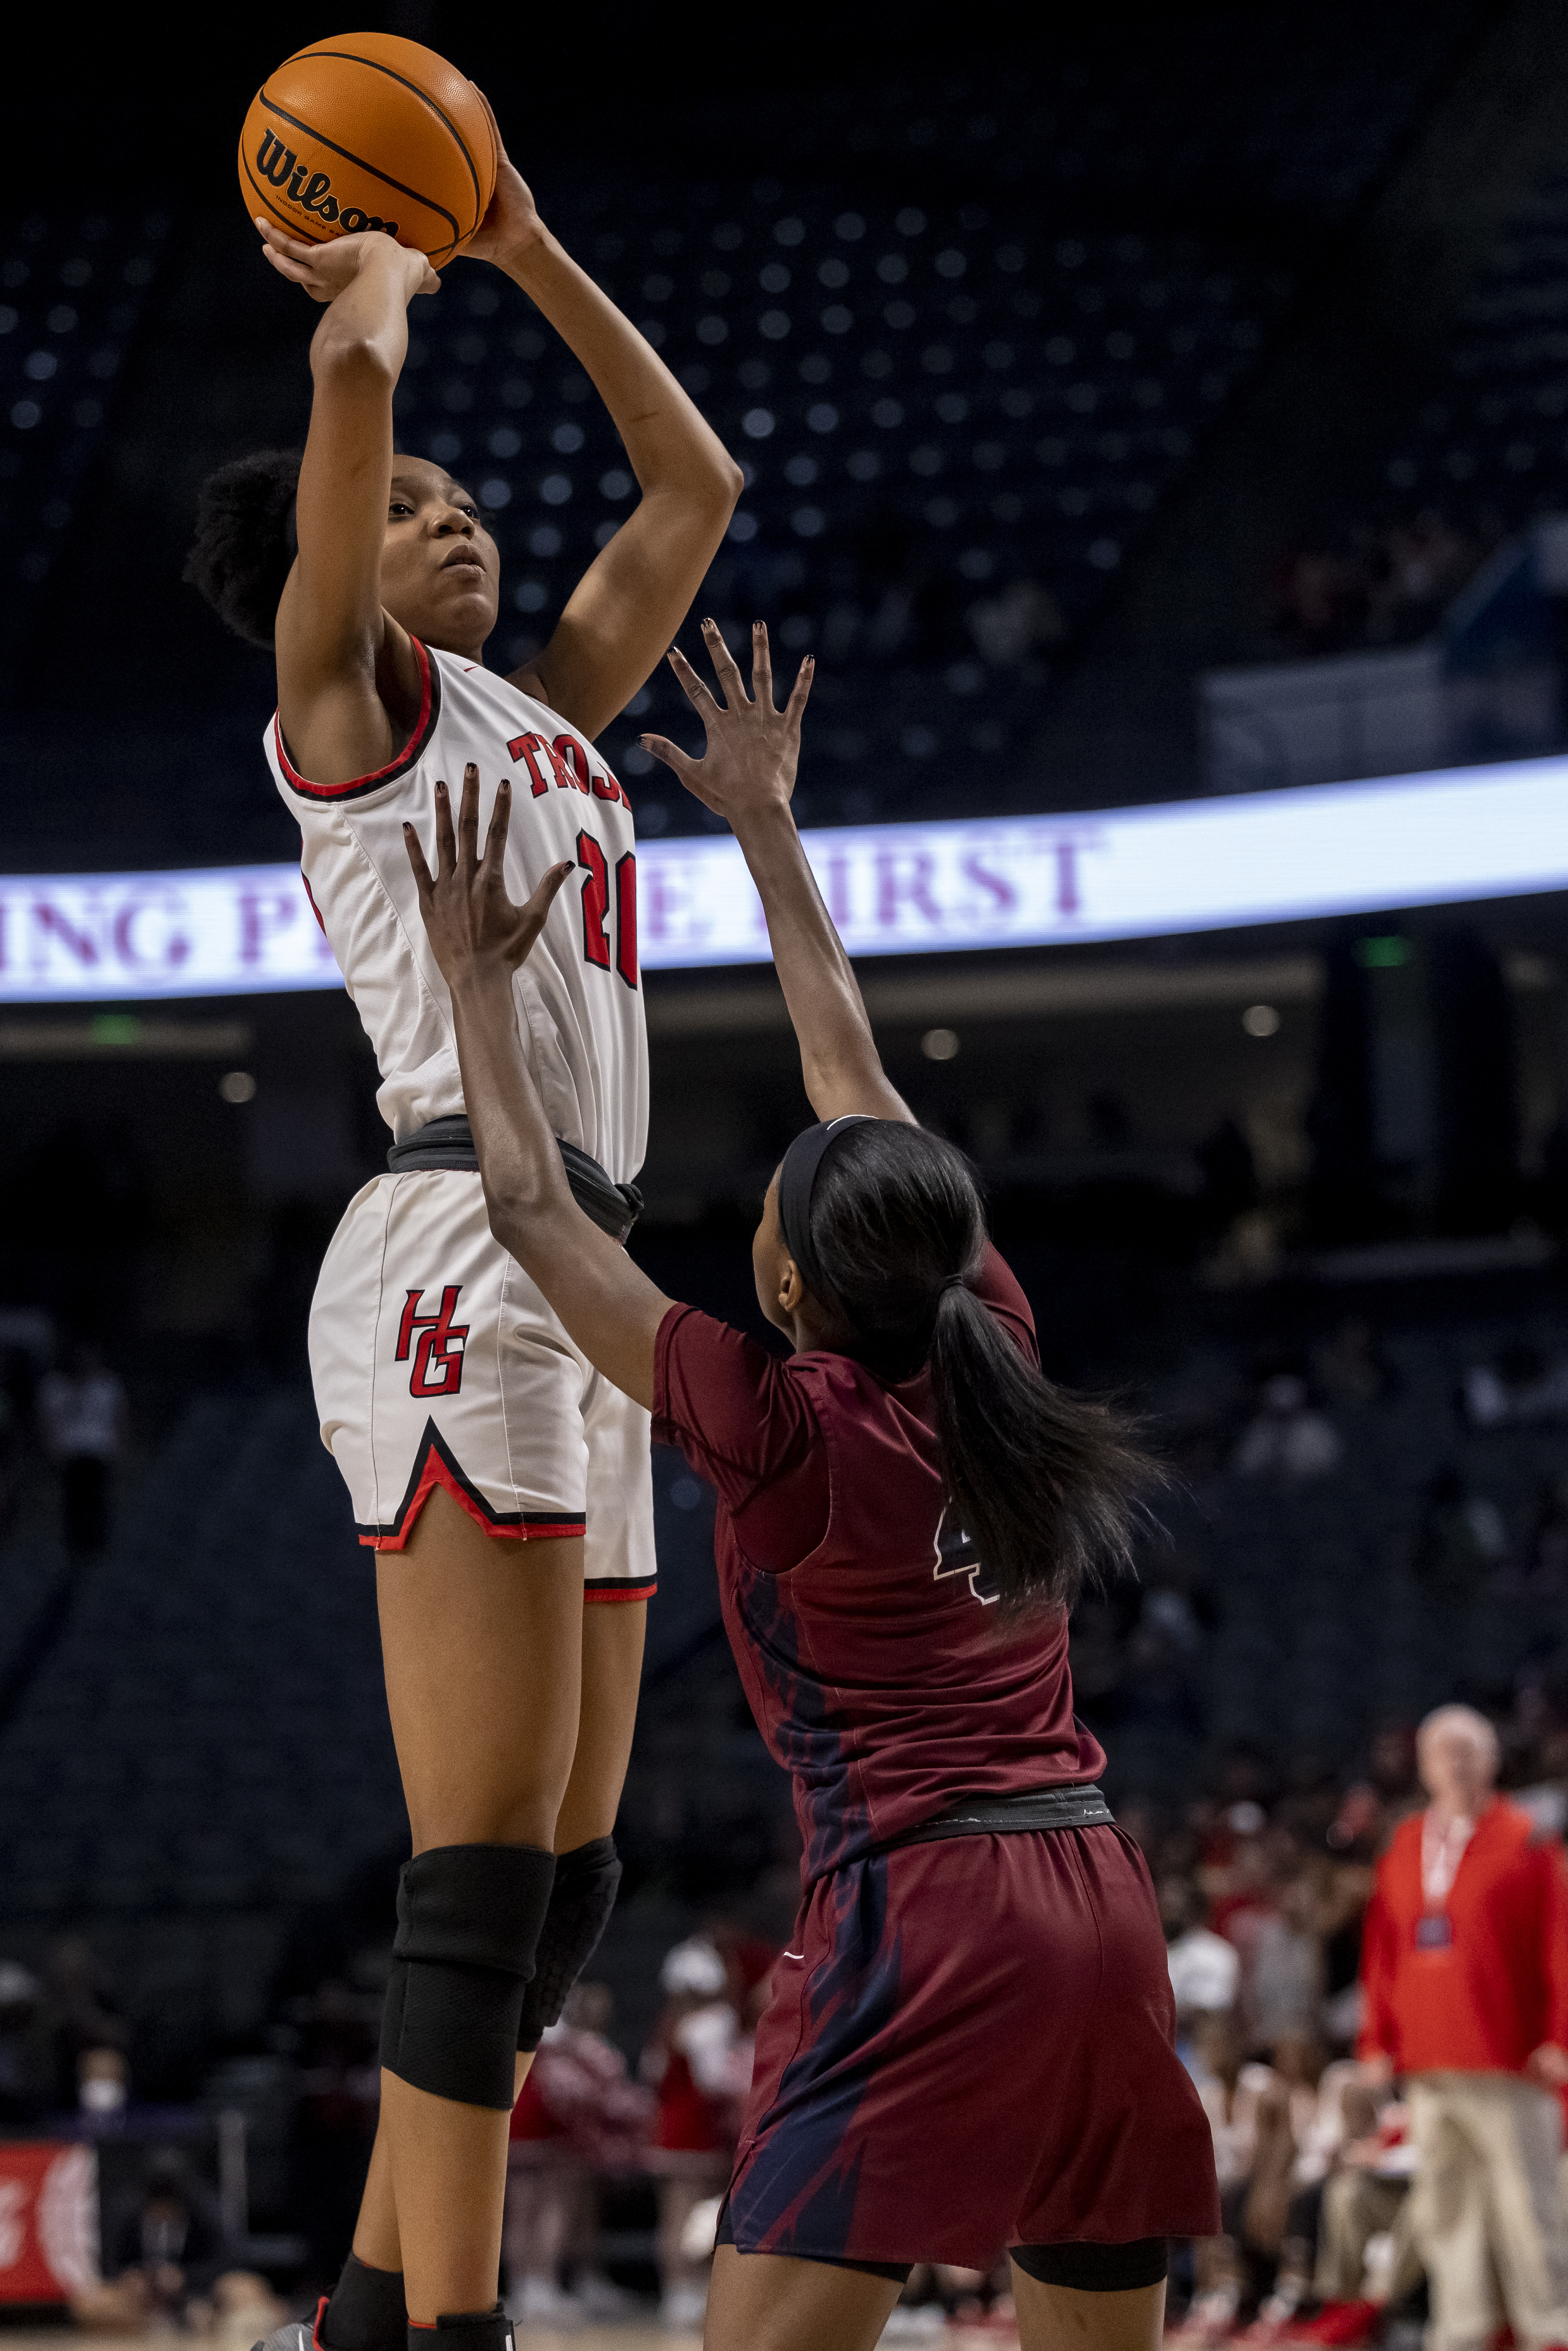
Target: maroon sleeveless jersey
871, 1651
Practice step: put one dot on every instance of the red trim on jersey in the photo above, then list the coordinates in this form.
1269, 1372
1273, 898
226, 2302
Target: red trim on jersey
424, 727
435, 1466
597, 1594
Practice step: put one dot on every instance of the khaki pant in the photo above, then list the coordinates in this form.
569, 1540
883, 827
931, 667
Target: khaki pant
1358, 2206
1486, 2210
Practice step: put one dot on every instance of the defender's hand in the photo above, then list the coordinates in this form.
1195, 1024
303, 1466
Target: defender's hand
474, 927
752, 748
512, 223
324, 270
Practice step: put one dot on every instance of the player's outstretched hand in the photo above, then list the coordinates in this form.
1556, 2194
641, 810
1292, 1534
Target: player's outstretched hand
474, 929
325, 270
752, 749
512, 223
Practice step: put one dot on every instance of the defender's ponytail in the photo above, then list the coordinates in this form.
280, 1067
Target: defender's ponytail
1045, 1484
245, 544
886, 1226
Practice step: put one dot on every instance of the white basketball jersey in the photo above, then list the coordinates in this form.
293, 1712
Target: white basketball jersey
578, 996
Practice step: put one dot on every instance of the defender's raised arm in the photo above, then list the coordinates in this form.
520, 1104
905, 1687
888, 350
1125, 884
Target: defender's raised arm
748, 775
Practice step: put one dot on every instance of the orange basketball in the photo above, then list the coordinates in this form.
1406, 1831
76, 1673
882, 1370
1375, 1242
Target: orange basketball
370, 131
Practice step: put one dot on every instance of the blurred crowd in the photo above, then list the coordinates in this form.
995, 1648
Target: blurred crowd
1376, 585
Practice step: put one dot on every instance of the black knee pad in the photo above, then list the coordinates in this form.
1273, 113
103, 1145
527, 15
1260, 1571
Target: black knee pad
581, 1902
468, 1925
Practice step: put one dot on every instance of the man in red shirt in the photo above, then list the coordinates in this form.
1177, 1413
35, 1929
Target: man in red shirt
1464, 1977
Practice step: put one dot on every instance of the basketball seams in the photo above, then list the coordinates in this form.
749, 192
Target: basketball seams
308, 131
352, 56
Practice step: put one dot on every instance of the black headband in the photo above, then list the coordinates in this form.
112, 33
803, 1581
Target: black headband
797, 1180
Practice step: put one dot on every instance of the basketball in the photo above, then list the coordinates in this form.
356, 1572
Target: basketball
370, 131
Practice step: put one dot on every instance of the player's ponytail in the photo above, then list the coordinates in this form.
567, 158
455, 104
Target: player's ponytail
1046, 1484
245, 544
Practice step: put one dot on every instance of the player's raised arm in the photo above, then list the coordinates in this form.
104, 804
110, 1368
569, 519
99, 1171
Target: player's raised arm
347, 673
630, 601
747, 776
608, 1304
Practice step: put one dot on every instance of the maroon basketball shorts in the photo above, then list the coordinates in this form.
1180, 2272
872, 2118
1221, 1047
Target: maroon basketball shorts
971, 2045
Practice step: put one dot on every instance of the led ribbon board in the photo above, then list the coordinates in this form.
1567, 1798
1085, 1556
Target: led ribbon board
894, 888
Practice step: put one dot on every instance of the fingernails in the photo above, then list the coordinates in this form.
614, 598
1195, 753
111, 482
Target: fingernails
440, 787
710, 624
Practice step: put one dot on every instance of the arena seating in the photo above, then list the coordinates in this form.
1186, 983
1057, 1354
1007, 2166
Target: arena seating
1492, 441
209, 1733
72, 293
966, 346
1325, 1623
951, 432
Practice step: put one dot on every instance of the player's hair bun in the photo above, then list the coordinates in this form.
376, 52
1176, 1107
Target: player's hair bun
244, 542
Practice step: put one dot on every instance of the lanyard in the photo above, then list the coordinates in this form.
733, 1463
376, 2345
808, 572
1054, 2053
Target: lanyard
1442, 1850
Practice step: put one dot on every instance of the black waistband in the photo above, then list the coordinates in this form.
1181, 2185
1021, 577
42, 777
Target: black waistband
1079, 1807
449, 1143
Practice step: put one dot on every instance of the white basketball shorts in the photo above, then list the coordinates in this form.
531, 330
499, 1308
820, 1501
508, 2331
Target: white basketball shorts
437, 1361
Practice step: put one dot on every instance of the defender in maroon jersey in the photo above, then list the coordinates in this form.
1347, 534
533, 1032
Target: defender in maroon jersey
969, 2043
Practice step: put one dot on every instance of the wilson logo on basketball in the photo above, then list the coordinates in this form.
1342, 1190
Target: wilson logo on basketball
312, 191
363, 120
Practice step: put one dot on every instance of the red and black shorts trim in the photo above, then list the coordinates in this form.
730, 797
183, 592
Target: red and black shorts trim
412, 750
436, 1465
606, 1590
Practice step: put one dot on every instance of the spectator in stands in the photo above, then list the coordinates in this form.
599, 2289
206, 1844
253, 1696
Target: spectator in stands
1461, 1539
171, 2246
83, 2028
1422, 566
339, 2085
1024, 619
1287, 1440
699, 2064
24, 2058
82, 1416
1377, 585
1243, 1895
1392, 1777
1349, 1366
1465, 1969
166, 2267
578, 2119
1286, 1978
1518, 1386
1205, 1969
1365, 2205
1231, 2091
1549, 1540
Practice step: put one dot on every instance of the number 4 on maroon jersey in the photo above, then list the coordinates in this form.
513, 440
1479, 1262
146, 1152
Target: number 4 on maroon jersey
956, 1555
438, 1349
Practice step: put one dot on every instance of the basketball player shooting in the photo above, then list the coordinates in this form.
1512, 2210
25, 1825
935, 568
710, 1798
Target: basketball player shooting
498, 1477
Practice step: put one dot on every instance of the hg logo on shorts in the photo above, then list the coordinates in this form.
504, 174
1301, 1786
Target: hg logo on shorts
438, 1349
